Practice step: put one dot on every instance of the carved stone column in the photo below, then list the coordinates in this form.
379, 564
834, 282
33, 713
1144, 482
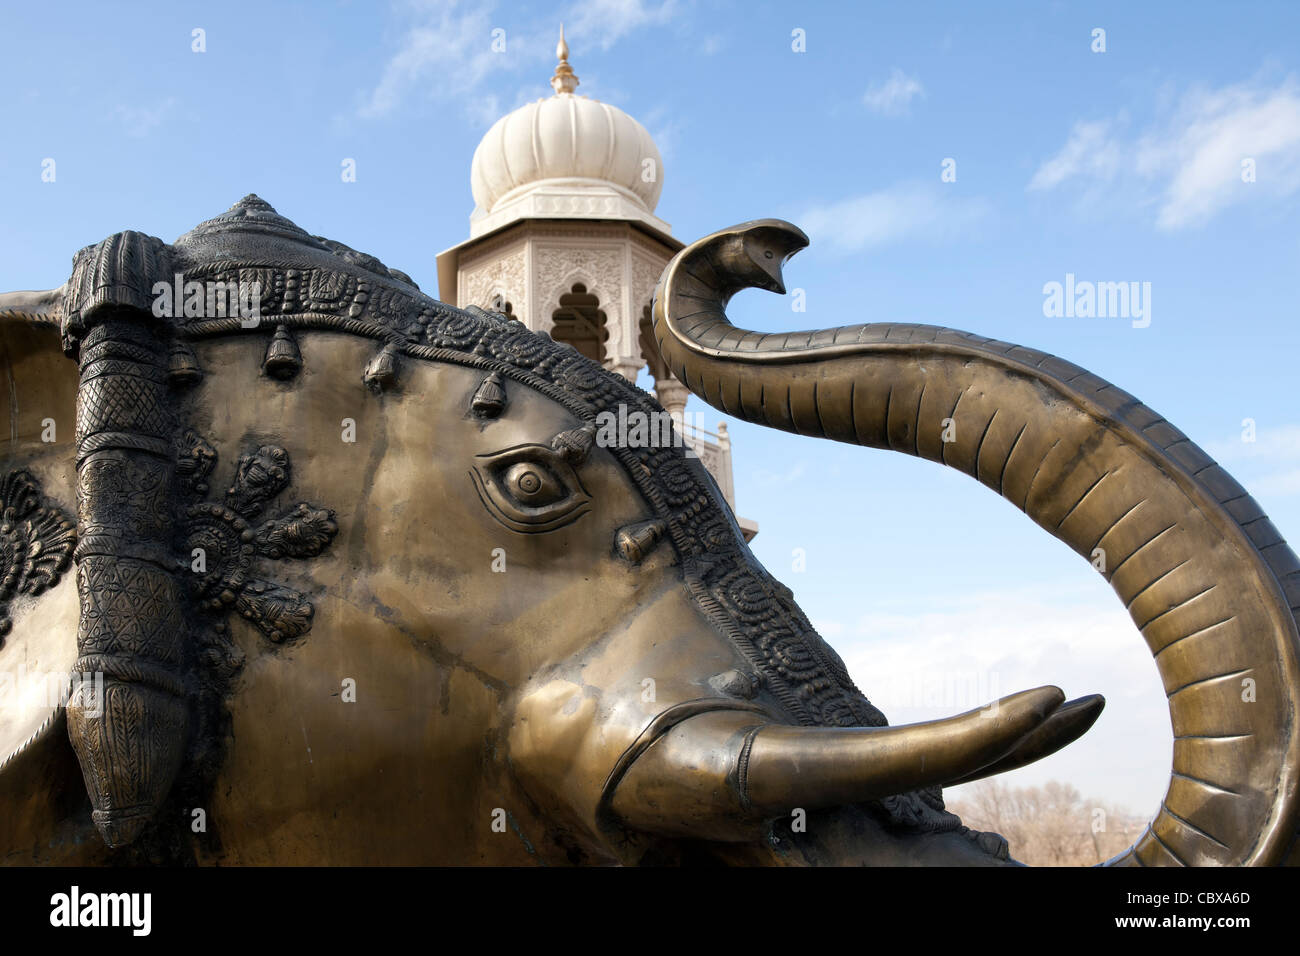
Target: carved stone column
672, 395
629, 368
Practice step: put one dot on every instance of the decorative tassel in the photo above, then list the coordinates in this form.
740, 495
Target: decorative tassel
490, 399
636, 541
575, 444
182, 366
283, 360
381, 373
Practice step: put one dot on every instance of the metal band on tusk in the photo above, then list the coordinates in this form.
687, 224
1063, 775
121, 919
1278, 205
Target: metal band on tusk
660, 725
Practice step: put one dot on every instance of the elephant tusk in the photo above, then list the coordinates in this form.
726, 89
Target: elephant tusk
717, 773
832, 766
1070, 722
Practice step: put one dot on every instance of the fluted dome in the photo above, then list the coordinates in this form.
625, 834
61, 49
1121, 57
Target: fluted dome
565, 156
565, 137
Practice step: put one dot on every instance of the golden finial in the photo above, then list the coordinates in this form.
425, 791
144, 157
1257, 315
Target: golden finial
564, 80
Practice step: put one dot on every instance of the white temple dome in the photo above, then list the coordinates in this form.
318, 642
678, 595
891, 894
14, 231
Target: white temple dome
566, 156
565, 137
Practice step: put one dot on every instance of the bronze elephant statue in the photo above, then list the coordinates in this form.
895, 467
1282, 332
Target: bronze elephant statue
351, 577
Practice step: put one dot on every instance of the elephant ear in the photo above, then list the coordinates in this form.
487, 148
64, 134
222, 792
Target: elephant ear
38, 599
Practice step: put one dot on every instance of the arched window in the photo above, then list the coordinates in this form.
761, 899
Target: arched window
580, 322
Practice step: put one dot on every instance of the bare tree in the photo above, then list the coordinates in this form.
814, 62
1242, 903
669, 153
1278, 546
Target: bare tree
1051, 825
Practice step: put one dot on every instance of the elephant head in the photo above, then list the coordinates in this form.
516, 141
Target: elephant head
362, 582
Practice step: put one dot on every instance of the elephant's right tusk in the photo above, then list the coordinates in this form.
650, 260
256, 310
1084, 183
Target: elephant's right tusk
1063, 728
719, 772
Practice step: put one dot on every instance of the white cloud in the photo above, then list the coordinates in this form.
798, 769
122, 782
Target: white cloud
605, 22
1277, 484
779, 479
904, 211
1205, 146
664, 126
1276, 443
447, 50
140, 121
1090, 152
959, 652
828, 628
1188, 163
1270, 464
894, 95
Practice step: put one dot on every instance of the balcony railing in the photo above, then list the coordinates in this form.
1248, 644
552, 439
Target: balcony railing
714, 452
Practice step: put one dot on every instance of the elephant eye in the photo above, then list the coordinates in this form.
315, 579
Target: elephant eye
529, 488
533, 484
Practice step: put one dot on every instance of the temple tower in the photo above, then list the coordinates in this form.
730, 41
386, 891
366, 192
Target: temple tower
563, 238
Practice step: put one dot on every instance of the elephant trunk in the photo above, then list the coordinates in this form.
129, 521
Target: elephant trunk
1205, 576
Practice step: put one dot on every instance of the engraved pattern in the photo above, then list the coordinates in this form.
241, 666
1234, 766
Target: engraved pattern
195, 462
132, 629
259, 477
131, 492
118, 272
302, 533
124, 738
645, 276
36, 541
557, 267
122, 403
505, 276
228, 545
111, 624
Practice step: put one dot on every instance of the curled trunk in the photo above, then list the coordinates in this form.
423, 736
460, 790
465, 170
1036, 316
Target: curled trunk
1207, 579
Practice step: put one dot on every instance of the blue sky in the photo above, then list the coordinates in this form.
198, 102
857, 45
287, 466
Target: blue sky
1123, 165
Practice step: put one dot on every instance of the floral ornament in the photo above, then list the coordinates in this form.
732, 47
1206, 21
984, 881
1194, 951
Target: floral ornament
581, 375
680, 485
455, 332
520, 348
223, 544
36, 541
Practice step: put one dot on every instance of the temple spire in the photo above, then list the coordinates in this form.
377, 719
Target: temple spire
564, 80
